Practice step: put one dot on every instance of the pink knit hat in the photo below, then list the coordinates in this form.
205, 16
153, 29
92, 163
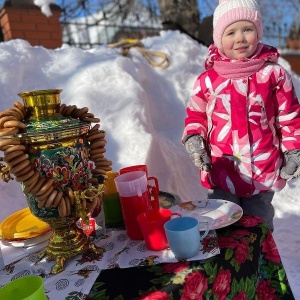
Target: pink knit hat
231, 11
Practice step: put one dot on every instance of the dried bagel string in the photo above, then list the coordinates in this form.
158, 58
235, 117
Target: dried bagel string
18, 163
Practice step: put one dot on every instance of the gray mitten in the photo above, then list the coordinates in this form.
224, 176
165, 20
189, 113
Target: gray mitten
292, 164
195, 147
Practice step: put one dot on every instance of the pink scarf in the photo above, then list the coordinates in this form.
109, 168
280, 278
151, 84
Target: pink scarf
240, 68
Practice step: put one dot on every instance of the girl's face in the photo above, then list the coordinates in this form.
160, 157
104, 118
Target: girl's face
239, 40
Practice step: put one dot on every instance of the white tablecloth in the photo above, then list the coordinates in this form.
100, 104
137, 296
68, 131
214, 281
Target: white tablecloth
81, 271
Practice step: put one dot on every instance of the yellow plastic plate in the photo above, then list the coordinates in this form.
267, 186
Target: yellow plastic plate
28, 242
22, 225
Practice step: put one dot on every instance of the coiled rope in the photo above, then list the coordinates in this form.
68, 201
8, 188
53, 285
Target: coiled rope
150, 55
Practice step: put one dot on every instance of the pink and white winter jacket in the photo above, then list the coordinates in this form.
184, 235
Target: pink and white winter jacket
247, 122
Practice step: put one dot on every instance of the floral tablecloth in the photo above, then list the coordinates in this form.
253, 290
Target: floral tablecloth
248, 267
82, 271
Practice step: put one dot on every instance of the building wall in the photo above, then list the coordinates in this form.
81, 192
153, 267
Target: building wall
294, 61
29, 23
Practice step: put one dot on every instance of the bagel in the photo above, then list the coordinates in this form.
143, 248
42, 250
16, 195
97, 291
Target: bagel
97, 171
9, 131
39, 183
13, 123
89, 194
51, 198
91, 206
87, 115
20, 167
106, 167
18, 160
14, 148
57, 199
90, 119
98, 144
97, 157
68, 205
19, 113
93, 132
23, 171
81, 112
62, 209
74, 112
97, 135
5, 144
42, 203
45, 187
5, 119
45, 194
28, 188
93, 181
94, 128
98, 150
25, 176
103, 160
12, 155
69, 192
62, 108
19, 105
32, 179
69, 110
8, 112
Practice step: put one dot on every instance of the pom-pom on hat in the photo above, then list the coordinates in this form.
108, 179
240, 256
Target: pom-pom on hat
231, 11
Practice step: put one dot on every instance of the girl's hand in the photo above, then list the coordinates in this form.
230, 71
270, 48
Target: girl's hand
292, 165
195, 147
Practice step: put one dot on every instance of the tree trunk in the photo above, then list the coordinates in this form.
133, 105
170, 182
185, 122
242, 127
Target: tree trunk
182, 15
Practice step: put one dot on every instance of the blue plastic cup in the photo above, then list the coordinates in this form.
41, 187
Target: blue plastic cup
183, 236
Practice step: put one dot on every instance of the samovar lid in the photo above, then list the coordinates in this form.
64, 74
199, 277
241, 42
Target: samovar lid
44, 123
54, 128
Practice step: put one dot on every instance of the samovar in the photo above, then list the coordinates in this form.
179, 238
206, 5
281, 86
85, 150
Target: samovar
58, 158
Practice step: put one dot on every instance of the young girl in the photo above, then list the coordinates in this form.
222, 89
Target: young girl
243, 121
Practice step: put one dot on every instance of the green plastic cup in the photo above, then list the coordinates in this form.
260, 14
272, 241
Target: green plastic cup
24, 288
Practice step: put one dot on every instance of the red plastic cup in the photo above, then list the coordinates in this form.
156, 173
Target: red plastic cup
152, 226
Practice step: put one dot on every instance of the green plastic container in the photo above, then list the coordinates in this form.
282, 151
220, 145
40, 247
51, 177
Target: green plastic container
24, 288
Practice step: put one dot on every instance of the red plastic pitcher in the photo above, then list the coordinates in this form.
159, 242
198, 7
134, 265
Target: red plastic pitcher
134, 168
136, 196
140, 168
